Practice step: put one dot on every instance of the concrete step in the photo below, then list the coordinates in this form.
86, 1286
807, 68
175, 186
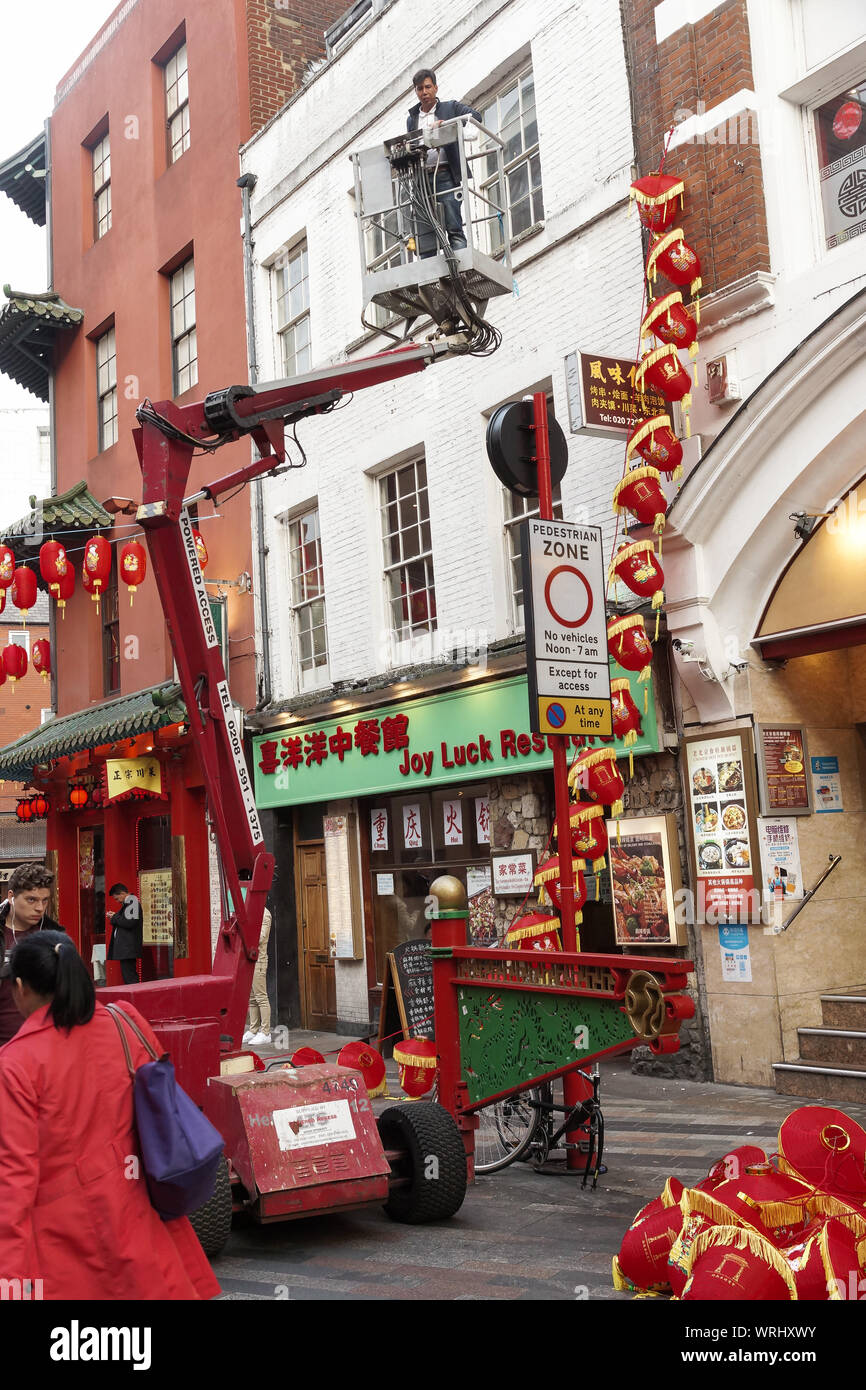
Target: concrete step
845, 1009
831, 1082
843, 1045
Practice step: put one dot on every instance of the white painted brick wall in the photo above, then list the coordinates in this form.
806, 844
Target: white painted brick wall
576, 288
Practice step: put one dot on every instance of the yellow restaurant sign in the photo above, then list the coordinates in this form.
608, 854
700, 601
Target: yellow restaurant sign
126, 775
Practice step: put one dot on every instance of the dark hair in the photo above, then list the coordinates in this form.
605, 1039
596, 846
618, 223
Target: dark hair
421, 74
28, 876
48, 962
118, 890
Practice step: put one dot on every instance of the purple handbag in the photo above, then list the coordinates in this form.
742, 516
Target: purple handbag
180, 1149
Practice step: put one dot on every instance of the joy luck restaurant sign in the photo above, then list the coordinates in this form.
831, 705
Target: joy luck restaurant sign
433, 741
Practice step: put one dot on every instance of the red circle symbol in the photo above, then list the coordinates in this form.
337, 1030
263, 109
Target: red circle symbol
847, 120
569, 596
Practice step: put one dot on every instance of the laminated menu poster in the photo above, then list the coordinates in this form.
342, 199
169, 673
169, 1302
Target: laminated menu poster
783, 763
719, 809
780, 858
644, 875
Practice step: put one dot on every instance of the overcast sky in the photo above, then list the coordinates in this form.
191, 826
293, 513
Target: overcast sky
40, 42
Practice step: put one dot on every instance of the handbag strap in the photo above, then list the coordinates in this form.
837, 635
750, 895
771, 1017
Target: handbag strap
117, 1014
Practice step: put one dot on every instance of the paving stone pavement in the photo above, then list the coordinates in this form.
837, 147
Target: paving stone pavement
519, 1235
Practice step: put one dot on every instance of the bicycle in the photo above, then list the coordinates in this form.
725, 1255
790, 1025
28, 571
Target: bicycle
521, 1127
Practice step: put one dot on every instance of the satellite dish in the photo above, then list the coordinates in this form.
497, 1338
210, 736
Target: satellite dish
511, 448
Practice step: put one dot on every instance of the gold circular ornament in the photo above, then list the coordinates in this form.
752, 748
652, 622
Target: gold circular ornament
645, 1004
449, 893
832, 1137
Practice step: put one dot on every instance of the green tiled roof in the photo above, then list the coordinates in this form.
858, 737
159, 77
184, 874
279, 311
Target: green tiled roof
75, 508
29, 324
149, 709
22, 178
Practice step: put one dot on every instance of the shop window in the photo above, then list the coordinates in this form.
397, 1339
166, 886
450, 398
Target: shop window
840, 133
291, 277
409, 583
106, 389
177, 104
511, 114
184, 342
110, 637
308, 598
517, 509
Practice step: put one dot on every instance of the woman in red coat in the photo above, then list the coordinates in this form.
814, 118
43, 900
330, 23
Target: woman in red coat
74, 1207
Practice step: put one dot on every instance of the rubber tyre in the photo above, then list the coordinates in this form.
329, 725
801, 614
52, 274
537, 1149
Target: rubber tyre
212, 1223
424, 1131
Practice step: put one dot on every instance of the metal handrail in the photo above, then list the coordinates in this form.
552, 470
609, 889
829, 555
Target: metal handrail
834, 860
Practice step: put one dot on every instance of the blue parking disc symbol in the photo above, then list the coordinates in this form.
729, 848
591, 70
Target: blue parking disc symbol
556, 716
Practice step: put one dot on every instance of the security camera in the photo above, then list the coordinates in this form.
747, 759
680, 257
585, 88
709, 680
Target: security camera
739, 666
684, 648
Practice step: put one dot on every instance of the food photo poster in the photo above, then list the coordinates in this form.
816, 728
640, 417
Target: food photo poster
645, 877
721, 819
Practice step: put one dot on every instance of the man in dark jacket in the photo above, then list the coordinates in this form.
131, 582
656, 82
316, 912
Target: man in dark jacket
443, 162
22, 911
127, 933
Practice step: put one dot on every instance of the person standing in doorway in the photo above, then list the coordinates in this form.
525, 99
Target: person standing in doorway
23, 911
127, 933
258, 1032
443, 173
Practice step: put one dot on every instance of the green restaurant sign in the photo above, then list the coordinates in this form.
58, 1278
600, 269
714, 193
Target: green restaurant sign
428, 742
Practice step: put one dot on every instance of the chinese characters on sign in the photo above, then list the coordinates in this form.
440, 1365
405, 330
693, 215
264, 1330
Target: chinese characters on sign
716, 778
412, 836
126, 776
780, 858
452, 816
482, 820
513, 873
154, 887
378, 828
602, 398
783, 762
365, 739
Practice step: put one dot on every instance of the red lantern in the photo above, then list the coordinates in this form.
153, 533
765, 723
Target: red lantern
7, 567
416, 1060
39, 806
96, 567
41, 657
534, 932
637, 567
639, 491
676, 260
629, 645
549, 885
200, 549
671, 322
656, 196
53, 565
24, 811
597, 773
14, 662
588, 832
78, 796
65, 590
625, 713
360, 1056
305, 1057
23, 590
133, 566
657, 444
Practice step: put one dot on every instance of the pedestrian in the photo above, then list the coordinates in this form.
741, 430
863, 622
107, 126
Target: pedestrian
127, 933
442, 168
22, 912
258, 1032
75, 1212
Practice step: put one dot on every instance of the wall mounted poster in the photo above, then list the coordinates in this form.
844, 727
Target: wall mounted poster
645, 876
720, 784
780, 858
827, 784
782, 763
736, 959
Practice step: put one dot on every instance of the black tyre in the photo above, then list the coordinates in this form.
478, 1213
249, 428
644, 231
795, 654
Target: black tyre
432, 1171
212, 1223
505, 1131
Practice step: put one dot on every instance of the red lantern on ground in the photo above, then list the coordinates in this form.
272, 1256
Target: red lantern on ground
23, 590
360, 1056
671, 322
637, 567
674, 258
65, 590
133, 566
200, 549
416, 1060
53, 565
588, 833
78, 796
657, 445
629, 645
7, 567
659, 198
534, 932
549, 885
305, 1057
597, 774
14, 662
41, 657
639, 492
96, 567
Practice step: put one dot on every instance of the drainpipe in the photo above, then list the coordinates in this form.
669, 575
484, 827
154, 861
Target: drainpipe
52, 404
246, 184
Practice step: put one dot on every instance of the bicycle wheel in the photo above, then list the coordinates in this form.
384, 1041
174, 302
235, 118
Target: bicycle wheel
506, 1131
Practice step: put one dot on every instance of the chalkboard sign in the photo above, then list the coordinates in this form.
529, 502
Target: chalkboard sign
409, 973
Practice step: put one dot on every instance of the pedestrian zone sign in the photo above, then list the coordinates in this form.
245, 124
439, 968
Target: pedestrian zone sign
566, 628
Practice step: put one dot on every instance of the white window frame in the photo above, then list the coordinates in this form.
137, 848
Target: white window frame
20, 637
292, 361
527, 155
100, 156
859, 84
106, 389
408, 628
184, 338
177, 104
311, 668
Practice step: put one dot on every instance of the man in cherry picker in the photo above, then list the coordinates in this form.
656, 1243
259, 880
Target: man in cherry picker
443, 162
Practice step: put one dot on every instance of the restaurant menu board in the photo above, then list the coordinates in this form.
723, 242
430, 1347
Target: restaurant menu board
412, 967
783, 766
644, 877
716, 771
154, 888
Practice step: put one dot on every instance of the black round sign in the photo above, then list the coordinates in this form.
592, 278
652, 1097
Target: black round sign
511, 448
